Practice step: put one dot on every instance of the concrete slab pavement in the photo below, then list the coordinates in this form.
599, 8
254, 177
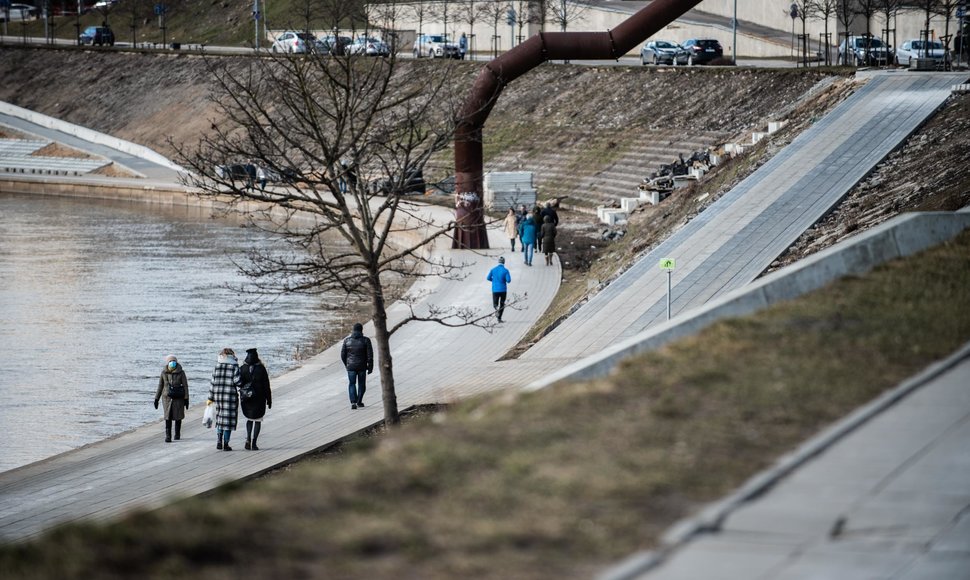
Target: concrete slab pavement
890, 500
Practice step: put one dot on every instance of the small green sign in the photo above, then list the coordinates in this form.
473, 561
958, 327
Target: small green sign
667, 264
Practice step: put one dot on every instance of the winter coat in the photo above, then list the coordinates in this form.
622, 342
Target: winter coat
172, 409
357, 353
511, 226
223, 393
499, 276
254, 372
527, 231
551, 212
548, 235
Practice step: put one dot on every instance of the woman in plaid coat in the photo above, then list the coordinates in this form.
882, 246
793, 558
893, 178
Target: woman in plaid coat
223, 393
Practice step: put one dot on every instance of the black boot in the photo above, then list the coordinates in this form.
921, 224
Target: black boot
256, 435
178, 430
218, 440
168, 431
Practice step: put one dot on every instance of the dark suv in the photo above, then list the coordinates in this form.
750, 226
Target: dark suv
702, 50
98, 35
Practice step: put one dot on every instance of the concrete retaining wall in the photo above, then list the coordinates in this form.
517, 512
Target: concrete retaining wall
902, 236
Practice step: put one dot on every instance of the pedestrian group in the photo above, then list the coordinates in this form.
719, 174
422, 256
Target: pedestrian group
231, 387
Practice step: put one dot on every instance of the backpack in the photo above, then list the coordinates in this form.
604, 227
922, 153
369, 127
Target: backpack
176, 390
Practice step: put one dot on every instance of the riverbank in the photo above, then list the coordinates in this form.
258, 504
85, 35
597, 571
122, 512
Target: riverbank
560, 482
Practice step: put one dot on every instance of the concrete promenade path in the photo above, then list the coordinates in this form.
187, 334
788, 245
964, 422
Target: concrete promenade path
311, 408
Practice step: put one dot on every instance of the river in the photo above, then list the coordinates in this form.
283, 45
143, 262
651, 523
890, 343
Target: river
93, 295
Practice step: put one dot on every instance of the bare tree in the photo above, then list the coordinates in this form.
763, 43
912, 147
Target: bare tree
563, 12
867, 9
442, 10
470, 12
889, 10
526, 12
845, 12
343, 138
824, 10
421, 12
496, 12
803, 11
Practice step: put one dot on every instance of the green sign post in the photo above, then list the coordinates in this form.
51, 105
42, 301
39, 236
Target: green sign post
668, 264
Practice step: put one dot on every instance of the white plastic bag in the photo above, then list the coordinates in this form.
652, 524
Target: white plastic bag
209, 416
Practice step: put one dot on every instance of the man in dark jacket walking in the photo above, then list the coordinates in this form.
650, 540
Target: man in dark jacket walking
358, 357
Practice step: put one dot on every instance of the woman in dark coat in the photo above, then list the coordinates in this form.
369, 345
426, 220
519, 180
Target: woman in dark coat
222, 393
548, 238
256, 396
174, 387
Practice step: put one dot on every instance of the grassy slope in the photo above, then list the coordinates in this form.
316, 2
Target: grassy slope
560, 482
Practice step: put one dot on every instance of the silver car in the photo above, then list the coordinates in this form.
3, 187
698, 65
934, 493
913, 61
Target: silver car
368, 47
911, 50
435, 46
663, 52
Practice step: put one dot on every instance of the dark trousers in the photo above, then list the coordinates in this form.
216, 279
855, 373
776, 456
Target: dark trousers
498, 303
357, 386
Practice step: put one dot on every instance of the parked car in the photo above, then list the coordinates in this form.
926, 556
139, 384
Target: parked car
702, 50
864, 51
335, 45
98, 36
435, 46
910, 50
292, 42
369, 47
413, 183
662, 52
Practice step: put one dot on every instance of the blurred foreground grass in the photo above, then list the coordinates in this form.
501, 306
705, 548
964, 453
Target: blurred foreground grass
558, 483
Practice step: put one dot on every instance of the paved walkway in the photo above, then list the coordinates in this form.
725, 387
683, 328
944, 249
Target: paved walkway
753, 224
738, 236
889, 501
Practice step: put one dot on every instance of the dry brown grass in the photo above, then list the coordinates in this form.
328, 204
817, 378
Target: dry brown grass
58, 150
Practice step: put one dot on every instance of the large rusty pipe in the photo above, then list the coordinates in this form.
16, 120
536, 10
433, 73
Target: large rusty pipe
470, 232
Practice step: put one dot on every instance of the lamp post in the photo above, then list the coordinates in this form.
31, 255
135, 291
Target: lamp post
734, 34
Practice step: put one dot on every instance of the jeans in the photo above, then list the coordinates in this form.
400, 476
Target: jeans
498, 303
224, 435
529, 249
357, 386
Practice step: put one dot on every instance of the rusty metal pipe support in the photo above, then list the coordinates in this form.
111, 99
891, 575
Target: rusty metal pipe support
488, 86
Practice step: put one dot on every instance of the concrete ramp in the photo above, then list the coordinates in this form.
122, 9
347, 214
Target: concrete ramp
738, 236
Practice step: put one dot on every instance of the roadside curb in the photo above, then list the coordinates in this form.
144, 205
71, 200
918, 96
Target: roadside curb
711, 518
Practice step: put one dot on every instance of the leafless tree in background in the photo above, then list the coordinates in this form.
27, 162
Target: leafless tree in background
470, 12
563, 12
825, 10
867, 9
341, 140
889, 10
845, 12
496, 12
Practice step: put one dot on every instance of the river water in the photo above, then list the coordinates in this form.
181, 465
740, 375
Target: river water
93, 295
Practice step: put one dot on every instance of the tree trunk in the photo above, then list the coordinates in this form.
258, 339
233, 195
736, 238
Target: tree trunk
384, 358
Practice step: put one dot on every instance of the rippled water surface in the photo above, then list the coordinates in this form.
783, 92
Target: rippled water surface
94, 295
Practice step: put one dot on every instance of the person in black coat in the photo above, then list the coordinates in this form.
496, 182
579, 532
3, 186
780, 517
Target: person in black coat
358, 357
255, 395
